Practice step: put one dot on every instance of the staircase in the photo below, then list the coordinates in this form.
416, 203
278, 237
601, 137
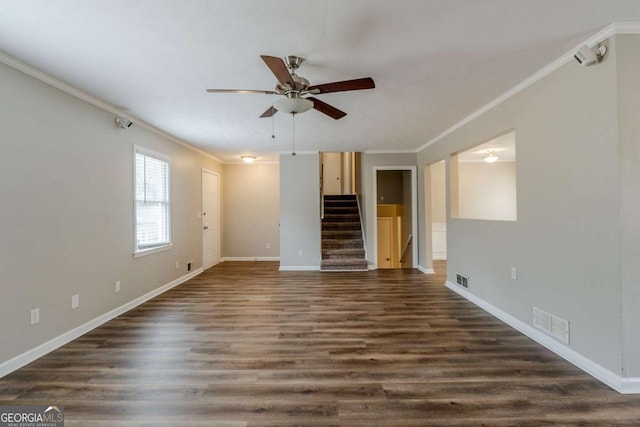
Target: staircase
342, 243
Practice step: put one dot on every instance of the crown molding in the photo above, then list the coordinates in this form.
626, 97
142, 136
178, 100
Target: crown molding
289, 153
83, 96
413, 151
599, 37
627, 27
257, 162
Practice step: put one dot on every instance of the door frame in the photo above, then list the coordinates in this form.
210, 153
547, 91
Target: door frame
414, 210
209, 171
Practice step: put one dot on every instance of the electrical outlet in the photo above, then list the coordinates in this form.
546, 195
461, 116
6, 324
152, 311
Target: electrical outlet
116, 287
35, 316
177, 265
514, 273
268, 245
189, 265
75, 301
300, 252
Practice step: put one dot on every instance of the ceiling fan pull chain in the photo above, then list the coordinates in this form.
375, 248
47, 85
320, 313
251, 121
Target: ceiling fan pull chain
273, 127
293, 126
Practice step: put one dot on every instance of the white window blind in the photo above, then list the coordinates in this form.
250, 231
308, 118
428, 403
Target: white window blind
152, 201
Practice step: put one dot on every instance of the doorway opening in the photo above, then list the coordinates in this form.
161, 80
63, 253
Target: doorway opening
396, 216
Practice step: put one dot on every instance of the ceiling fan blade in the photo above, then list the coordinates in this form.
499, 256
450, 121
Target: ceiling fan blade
270, 112
264, 92
279, 69
357, 84
327, 109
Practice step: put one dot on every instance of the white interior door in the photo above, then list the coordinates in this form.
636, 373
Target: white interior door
210, 219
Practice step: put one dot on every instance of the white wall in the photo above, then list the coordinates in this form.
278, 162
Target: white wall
438, 205
300, 212
438, 193
628, 94
251, 207
487, 190
565, 242
66, 212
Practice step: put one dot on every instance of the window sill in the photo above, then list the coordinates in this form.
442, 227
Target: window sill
146, 252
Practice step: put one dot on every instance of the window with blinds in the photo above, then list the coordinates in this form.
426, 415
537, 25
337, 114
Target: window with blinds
152, 208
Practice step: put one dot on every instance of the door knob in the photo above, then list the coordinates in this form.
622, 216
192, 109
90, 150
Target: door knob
206, 228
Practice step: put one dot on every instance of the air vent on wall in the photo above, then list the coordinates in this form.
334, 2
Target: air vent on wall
552, 325
462, 280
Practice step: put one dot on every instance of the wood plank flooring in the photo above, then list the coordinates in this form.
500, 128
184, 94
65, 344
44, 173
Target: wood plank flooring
245, 345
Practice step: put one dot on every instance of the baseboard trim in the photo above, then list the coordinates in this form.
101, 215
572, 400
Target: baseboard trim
630, 386
250, 258
425, 270
299, 268
616, 382
35, 353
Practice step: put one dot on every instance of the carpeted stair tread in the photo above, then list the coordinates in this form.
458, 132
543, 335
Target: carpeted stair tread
344, 264
341, 225
342, 243
341, 218
343, 210
343, 253
341, 234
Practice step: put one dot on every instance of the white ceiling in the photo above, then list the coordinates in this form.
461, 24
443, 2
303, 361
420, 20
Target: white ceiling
433, 61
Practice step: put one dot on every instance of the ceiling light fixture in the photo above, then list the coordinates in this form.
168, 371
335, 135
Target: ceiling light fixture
490, 157
293, 105
248, 159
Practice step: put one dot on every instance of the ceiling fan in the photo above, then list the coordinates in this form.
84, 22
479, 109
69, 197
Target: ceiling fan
295, 89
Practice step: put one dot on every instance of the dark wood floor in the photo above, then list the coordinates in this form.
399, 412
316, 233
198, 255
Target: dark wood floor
245, 345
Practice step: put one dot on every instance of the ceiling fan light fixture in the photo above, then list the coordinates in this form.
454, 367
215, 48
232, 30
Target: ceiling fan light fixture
490, 157
293, 105
248, 159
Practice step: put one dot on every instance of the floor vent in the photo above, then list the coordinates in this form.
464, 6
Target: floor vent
553, 325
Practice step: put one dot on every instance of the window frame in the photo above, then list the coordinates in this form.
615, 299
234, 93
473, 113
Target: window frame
138, 252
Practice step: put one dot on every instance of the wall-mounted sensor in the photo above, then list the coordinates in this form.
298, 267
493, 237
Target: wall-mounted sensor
123, 122
590, 55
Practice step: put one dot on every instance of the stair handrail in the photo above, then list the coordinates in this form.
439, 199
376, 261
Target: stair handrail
406, 246
321, 188
364, 241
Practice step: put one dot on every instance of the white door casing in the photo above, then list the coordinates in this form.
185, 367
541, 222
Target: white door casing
414, 208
